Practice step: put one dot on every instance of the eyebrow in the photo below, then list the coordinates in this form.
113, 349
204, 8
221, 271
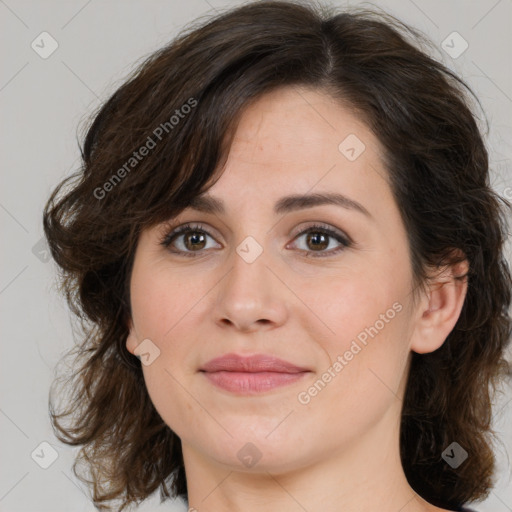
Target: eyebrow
210, 204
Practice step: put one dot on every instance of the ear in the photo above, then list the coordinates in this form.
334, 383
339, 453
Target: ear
440, 307
131, 339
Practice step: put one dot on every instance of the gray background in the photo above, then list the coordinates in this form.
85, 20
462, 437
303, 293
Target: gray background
43, 102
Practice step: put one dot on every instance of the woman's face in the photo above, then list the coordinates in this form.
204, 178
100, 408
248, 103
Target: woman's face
254, 279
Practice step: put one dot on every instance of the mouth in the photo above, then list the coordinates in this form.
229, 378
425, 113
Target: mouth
252, 382
251, 375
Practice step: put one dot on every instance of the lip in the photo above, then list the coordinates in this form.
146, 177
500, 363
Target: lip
251, 364
251, 374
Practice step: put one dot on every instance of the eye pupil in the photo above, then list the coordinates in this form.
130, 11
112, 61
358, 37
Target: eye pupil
194, 236
316, 236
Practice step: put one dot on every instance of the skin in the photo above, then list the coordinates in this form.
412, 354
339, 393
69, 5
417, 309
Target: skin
340, 451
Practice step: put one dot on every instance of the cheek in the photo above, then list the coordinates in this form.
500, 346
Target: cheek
171, 399
160, 299
353, 307
163, 310
366, 343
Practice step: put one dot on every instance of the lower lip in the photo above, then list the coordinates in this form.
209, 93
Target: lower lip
252, 383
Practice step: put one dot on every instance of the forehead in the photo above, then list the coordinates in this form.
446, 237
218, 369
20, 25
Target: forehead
297, 139
297, 116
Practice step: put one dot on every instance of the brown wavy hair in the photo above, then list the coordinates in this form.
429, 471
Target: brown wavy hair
425, 119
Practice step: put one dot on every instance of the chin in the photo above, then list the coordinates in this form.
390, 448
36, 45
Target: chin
254, 447
255, 457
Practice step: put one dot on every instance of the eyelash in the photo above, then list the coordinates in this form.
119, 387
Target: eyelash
167, 240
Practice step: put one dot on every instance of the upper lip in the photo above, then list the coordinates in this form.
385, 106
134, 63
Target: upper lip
250, 364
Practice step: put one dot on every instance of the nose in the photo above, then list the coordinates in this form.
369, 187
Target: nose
251, 297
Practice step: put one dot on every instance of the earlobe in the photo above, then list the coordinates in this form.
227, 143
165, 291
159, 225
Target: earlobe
441, 308
131, 339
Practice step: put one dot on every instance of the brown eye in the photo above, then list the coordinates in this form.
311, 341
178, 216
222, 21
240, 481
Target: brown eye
317, 240
187, 240
319, 237
194, 240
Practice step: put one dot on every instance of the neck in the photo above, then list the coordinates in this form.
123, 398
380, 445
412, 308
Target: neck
363, 477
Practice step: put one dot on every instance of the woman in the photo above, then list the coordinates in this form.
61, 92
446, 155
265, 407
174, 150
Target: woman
289, 265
